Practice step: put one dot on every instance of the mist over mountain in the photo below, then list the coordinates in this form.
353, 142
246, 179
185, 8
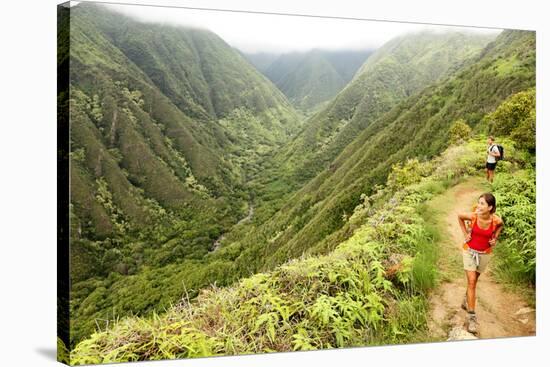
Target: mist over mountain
261, 60
189, 167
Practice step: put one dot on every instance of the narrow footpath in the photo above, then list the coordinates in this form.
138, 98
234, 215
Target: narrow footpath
500, 312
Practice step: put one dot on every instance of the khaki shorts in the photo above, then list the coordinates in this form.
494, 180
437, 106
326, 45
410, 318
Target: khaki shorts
470, 264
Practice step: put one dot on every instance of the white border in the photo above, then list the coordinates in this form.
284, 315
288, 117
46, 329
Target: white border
28, 182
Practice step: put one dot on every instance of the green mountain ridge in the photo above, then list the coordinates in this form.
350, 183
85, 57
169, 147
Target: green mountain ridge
310, 220
213, 80
309, 78
124, 83
397, 70
159, 158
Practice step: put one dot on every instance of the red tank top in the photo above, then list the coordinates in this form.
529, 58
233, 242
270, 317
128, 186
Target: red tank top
480, 237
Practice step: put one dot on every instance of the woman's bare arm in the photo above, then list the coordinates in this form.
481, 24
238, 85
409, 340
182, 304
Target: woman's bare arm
500, 226
462, 217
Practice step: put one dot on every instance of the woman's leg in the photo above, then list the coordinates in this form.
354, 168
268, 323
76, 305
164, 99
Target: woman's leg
472, 277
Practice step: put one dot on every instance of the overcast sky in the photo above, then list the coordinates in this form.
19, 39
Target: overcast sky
252, 32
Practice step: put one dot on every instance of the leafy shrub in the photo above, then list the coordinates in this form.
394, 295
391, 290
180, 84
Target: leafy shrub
407, 173
63, 355
515, 117
459, 132
516, 203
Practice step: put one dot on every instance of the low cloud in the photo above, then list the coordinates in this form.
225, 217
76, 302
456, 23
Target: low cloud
253, 32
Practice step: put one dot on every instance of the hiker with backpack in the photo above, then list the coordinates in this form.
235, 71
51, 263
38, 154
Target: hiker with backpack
479, 240
495, 153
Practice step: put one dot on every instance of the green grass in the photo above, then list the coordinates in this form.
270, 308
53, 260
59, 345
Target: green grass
342, 299
349, 297
424, 271
506, 66
515, 253
169, 130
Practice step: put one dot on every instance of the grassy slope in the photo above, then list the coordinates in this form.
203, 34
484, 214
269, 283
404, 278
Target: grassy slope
158, 166
394, 72
368, 291
314, 220
311, 219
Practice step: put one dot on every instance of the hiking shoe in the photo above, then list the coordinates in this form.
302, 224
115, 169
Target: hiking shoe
472, 323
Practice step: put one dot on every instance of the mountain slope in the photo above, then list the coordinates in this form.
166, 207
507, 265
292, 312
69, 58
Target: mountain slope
371, 290
313, 77
160, 147
311, 219
397, 70
312, 81
261, 60
144, 119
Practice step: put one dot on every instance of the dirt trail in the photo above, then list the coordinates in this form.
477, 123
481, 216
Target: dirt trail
500, 312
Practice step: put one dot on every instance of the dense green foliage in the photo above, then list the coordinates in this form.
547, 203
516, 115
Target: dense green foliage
516, 191
159, 156
516, 117
370, 290
460, 131
516, 203
63, 354
310, 78
167, 157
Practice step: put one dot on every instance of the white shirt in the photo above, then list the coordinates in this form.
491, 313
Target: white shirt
492, 148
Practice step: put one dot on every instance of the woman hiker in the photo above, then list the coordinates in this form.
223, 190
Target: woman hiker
478, 244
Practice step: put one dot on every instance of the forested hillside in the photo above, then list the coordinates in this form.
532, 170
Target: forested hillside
190, 168
311, 220
160, 148
396, 71
372, 289
310, 78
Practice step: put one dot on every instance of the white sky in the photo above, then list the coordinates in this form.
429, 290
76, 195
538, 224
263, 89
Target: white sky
253, 32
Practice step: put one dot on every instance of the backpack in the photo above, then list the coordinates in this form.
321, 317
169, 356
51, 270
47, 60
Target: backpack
501, 151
